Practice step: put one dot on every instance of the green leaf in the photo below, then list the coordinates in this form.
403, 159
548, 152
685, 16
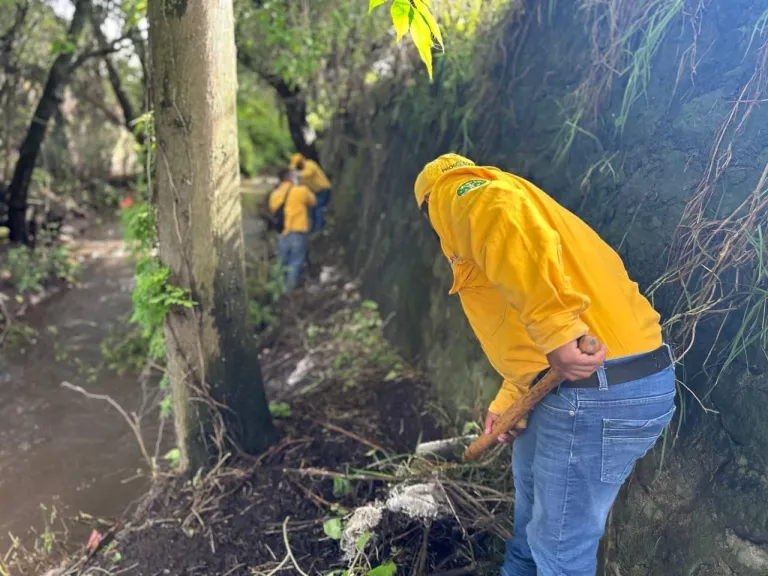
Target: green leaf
332, 528
339, 509
388, 569
370, 305
166, 406
341, 487
402, 14
362, 541
63, 46
470, 428
173, 457
280, 410
423, 9
373, 4
422, 38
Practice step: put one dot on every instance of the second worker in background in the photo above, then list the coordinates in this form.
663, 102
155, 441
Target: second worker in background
312, 175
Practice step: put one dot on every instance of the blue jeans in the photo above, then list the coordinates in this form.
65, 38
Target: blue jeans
292, 250
318, 211
580, 446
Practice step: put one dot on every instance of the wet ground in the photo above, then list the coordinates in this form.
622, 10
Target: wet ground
58, 448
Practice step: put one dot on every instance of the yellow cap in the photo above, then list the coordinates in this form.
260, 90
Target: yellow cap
296, 160
433, 171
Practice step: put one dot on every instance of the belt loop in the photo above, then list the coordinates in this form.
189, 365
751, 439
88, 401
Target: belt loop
602, 378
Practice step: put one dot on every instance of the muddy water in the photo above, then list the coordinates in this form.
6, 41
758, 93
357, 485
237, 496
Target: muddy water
56, 446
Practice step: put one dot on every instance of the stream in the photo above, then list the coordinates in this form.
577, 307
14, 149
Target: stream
58, 448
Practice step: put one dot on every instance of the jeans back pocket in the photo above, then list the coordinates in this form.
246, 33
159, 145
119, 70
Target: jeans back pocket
626, 441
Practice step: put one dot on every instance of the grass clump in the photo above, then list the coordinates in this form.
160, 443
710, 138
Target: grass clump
718, 268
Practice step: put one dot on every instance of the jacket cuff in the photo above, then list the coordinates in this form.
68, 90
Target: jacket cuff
555, 333
505, 398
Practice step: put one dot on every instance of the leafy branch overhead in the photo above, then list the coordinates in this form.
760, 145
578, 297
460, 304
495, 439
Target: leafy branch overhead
415, 16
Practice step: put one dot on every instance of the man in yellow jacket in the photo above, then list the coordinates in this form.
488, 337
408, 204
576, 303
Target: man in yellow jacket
297, 201
533, 278
313, 176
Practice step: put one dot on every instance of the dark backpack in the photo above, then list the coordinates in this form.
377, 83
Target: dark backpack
278, 218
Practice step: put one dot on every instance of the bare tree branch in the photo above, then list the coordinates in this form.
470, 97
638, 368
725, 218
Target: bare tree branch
98, 53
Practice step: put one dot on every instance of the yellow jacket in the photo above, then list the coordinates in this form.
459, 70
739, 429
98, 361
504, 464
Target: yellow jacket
312, 175
300, 200
532, 276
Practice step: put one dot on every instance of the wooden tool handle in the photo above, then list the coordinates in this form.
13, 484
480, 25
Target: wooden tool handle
551, 380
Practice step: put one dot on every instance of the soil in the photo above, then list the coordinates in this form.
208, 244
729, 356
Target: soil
243, 532
241, 529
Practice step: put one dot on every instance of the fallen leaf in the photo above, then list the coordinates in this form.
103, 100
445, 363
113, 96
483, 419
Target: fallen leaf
94, 540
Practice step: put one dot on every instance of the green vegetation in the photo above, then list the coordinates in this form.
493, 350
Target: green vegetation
659, 15
414, 18
265, 288
29, 269
263, 135
280, 410
360, 346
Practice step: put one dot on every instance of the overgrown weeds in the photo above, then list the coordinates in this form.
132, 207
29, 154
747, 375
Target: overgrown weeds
625, 36
717, 268
265, 288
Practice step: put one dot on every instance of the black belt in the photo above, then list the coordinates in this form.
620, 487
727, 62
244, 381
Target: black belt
635, 369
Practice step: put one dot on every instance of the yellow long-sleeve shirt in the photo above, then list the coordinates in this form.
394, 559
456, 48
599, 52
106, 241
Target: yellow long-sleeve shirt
532, 276
297, 206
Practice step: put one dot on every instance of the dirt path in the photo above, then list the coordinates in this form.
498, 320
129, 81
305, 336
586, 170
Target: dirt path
57, 447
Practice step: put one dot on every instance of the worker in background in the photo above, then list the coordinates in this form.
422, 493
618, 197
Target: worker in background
532, 279
313, 176
291, 202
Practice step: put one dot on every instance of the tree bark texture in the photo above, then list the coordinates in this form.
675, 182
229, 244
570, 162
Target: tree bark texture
49, 101
218, 394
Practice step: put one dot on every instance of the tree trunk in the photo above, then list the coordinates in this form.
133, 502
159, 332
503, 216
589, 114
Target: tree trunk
296, 111
58, 76
295, 105
218, 394
10, 79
